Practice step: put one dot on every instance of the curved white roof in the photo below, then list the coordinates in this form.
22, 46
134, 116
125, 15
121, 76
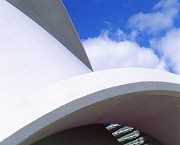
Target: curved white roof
36, 95
30, 58
52, 16
87, 90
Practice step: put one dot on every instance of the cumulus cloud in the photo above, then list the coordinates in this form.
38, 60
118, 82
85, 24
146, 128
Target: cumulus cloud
161, 18
106, 53
169, 47
120, 49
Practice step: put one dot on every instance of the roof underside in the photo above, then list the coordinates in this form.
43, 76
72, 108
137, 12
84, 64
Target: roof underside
52, 16
117, 96
160, 116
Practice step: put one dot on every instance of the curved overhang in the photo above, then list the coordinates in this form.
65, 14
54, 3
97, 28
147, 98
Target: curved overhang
146, 99
53, 17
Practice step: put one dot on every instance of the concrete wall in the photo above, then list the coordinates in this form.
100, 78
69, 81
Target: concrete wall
142, 98
52, 16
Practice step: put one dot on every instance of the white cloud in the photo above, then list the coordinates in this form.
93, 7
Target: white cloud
106, 53
118, 49
161, 18
169, 46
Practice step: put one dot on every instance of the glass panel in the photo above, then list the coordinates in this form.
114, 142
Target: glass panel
112, 126
122, 130
129, 136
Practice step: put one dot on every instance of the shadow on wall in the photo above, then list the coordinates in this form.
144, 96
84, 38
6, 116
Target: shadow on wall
84, 135
99, 134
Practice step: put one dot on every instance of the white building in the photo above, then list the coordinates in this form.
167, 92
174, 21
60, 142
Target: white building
48, 89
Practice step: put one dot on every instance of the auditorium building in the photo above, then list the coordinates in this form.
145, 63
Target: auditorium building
50, 95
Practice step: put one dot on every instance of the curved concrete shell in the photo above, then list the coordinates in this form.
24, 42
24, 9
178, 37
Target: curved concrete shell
30, 58
37, 99
52, 16
142, 98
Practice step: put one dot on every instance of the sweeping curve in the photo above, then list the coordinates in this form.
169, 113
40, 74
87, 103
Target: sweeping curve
117, 95
30, 59
53, 17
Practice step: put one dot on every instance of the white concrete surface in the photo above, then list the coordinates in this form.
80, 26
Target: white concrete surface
30, 58
20, 112
52, 16
36, 78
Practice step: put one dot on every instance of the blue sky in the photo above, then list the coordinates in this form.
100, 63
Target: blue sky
133, 33
91, 16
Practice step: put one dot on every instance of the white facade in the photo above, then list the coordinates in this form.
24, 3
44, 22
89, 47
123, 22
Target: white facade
68, 98
30, 58
43, 85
